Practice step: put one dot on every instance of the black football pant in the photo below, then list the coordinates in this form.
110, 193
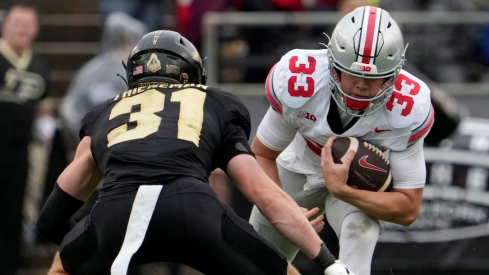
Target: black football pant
189, 225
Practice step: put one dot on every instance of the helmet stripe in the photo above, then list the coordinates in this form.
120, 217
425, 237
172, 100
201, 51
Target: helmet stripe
370, 31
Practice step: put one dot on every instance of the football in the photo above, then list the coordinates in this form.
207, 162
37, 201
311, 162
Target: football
369, 170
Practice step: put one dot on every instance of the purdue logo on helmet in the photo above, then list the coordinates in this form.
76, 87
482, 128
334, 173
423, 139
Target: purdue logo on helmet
367, 43
153, 63
169, 50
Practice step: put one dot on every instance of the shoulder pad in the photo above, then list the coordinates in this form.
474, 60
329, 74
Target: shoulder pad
235, 107
410, 103
296, 78
89, 119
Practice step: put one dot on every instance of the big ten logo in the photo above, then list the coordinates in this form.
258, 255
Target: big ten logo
364, 68
307, 115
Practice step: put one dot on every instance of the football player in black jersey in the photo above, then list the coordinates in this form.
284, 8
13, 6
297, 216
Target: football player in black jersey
155, 146
23, 79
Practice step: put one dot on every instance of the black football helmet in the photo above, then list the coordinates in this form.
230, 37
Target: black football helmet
164, 54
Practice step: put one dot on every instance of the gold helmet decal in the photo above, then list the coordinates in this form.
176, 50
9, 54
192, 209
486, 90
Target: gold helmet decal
153, 63
156, 36
196, 57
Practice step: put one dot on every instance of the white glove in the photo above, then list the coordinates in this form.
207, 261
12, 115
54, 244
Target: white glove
338, 268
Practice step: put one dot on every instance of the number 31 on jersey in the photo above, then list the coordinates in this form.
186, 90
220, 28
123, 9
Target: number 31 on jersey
190, 118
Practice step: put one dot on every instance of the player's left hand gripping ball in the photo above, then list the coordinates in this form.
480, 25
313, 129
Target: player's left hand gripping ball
370, 169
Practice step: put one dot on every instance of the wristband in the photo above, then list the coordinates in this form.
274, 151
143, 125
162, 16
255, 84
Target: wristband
324, 258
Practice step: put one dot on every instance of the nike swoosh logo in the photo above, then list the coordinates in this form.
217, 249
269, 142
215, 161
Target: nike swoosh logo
377, 130
363, 162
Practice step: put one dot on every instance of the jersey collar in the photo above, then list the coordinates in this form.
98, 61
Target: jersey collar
19, 62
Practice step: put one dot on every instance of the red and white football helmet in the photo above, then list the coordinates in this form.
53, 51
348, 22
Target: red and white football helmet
368, 43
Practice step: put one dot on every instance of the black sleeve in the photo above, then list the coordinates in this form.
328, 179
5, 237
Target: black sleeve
237, 129
235, 142
242, 118
238, 111
54, 219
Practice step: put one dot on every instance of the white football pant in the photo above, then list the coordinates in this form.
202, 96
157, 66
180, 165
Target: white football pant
357, 232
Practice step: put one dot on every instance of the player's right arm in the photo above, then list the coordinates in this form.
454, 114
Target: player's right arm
277, 207
74, 186
81, 177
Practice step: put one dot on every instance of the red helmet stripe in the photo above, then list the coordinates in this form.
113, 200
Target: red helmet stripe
369, 37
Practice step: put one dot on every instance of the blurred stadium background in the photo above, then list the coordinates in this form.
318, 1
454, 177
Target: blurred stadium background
451, 235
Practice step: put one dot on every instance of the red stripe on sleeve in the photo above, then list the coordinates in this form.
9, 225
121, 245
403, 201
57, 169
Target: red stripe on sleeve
426, 128
270, 96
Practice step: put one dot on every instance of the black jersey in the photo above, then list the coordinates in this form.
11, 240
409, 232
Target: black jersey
22, 84
151, 135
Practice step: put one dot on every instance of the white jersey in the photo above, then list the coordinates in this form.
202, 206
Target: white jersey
298, 90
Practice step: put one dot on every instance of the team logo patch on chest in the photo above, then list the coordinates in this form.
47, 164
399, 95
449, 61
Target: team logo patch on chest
307, 115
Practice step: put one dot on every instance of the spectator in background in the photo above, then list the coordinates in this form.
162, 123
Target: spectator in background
483, 42
23, 79
97, 80
346, 6
450, 62
151, 12
190, 14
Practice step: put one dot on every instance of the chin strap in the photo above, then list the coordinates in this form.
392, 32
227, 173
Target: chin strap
125, 81
125, 69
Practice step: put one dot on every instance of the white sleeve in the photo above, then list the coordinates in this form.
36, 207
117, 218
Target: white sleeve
408, 167
274, 132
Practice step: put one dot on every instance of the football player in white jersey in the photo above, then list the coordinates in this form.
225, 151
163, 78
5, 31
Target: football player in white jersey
355, 87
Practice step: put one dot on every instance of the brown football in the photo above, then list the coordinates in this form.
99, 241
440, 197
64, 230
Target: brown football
370, 169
